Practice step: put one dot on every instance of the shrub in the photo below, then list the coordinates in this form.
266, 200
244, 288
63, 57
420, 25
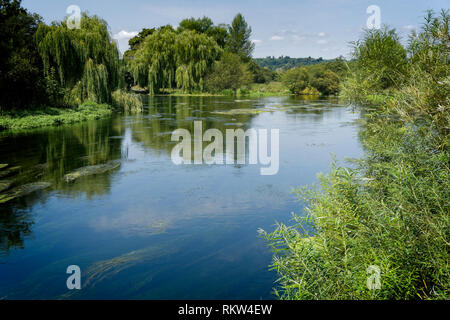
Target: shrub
391, 211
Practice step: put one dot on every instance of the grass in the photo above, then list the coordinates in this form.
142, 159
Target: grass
127, 101
48, 116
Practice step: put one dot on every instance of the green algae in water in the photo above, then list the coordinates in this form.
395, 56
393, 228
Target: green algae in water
9, 172
242, 111
106, 269
23, 191
3, 165
5, 185
91, 170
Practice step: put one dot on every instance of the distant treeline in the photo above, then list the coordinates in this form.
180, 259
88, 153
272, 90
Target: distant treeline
286, 62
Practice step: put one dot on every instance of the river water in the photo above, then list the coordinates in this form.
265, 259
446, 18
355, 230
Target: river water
151, 229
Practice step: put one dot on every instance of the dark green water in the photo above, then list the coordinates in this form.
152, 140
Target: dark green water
151, 229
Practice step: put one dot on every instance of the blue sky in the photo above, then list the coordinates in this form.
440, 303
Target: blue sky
296, 28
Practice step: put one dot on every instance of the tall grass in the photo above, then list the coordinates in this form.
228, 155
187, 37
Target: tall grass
392, 210
128, 102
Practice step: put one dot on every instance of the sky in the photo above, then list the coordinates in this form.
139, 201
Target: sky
295, 28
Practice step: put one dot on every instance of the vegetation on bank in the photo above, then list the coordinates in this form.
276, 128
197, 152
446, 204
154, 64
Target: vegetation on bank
51, 116
58, 67
391, 212
200, 58
317, 79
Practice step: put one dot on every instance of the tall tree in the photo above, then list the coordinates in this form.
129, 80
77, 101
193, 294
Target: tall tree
155, 62
206, 26
239, 38
136, 41
381, 57
84, 61
168, 59
195, 55
21, 81
228, 73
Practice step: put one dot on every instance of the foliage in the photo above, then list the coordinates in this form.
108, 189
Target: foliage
195, 55
21, 83
318, 79
238, 41
228, 73
85, 60
381, 58
286, 62
155, 61
273, 88
136, 41
296, 80
391, 210
168, 59
50, 116
261, 75
205, 26
429, 49
327, 83
129, 102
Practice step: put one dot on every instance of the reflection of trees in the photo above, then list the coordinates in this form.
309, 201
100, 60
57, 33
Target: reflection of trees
166, 114
82, 145
47, 155
309, 108
15, 224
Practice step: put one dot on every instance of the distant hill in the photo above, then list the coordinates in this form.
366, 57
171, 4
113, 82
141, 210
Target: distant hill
286, 62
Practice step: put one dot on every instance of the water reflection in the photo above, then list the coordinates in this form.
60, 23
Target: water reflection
184, 232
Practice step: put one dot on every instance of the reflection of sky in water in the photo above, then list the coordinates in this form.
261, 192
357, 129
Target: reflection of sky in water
156, 230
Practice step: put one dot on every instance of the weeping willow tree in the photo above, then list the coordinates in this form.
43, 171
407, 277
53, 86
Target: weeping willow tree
84, 62
155, 62
168, 59
195, 55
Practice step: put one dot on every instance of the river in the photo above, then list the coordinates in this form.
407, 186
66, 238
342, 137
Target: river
152, 229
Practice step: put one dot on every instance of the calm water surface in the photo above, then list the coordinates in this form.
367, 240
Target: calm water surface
151, 229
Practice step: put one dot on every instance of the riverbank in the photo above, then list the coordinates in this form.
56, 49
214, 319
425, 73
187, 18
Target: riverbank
379, 229
50, 116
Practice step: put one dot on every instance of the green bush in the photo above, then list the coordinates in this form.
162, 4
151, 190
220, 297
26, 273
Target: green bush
392, 209
228, 73
128, 102
296, 80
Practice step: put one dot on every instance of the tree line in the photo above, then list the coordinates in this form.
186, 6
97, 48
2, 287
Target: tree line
283, 63
54, 65
196, 56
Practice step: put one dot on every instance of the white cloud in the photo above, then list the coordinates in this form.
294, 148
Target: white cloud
257, 42
125, 35
322, 41
321, 34
122, 38
277, 38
